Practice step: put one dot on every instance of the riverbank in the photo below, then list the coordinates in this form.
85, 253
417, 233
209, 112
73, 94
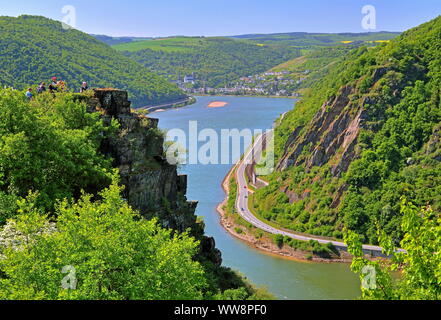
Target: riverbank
248, 96
264, 241
169, 105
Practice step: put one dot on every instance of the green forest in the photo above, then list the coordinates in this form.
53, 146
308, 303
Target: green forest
35, 49
397, 150
219, 61
418, 267
215, 61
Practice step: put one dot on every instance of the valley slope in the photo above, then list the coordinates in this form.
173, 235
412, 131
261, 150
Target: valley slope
34, 49
215, 61
221, 61
366, 135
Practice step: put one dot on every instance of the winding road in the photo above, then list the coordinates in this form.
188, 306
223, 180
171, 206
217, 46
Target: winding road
244, 211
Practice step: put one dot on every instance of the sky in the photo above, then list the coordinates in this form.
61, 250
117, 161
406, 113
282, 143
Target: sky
159, 18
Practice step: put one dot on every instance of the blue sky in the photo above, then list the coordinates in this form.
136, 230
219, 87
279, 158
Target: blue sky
228, 17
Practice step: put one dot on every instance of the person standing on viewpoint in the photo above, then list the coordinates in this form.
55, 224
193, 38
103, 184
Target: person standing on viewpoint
29, 94
84, 87
53, 85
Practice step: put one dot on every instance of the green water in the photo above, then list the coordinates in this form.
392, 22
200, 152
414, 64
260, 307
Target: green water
284, 278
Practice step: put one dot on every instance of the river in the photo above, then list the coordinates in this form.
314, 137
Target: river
286, 279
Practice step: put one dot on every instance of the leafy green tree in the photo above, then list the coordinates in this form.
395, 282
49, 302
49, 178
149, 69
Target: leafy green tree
419, 265
51, 145
108, 250
279, 240
8, 207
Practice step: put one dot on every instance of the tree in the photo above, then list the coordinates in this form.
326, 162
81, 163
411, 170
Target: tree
107, 250
51, 145
419, 264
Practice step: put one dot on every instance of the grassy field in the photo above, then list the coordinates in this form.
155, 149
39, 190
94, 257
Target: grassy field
314, 60
176, 44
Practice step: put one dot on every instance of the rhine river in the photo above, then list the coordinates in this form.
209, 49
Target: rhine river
286, 279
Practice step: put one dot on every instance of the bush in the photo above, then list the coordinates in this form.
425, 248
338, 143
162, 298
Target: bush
51, 145
279, 240
115, 253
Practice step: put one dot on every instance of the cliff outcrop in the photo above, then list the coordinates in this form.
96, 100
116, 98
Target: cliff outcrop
332, 133
152, 185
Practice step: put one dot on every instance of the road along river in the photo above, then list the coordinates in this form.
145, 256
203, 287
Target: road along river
243, 209
286, 279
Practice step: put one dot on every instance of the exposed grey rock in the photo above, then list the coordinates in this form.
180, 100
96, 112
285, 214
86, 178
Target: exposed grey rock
433, 147
379, 73
12, 238
152, 186
208, 244
327, 132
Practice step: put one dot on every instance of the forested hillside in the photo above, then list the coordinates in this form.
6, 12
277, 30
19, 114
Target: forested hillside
215, 61
366, 135
313, 65
34, 49
218, 61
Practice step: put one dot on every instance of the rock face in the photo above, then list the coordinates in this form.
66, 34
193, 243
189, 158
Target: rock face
152, 185
433, 147
331, 135
12, 237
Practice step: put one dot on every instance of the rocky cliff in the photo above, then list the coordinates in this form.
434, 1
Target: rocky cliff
152, 186
332, 131
332, 135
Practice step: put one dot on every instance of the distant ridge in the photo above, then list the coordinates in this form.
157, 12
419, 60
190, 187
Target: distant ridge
109, 40
308, 39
